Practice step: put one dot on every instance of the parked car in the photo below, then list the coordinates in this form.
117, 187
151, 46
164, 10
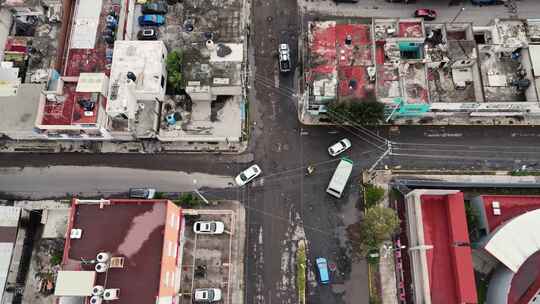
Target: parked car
487, 2
151, 20
248, 175
148, 33
284, 58
209, 227
426, 14
207, 295
144, 193
322, 269
158, 8
339, 147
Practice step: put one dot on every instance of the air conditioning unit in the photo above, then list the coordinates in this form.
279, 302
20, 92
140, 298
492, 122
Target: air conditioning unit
97, 290
103, 257
101, 267
111, 294
75, 233
96, 300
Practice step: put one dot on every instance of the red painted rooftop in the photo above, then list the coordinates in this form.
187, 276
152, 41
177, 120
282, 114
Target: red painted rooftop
410, 29
69, 111
510, 205
526, 281
450, 266
129, 228
330, 53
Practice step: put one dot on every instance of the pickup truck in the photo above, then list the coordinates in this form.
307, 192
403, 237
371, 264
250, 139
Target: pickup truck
284, 58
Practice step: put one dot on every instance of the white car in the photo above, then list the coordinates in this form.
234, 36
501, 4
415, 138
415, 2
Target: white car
247, 175
339, 147
209, 227
207, 295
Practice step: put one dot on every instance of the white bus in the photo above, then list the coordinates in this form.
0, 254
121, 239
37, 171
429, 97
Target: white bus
341, 176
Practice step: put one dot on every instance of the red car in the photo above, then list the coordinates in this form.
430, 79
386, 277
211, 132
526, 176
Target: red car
425, 13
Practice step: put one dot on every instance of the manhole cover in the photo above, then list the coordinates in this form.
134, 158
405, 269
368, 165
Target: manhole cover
269, 18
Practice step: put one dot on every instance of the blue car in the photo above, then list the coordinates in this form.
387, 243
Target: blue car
322, 267
151, 20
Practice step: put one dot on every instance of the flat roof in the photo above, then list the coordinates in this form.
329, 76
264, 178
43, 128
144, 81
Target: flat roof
74, 283
85, 24
132, 229
19, 111
145, 59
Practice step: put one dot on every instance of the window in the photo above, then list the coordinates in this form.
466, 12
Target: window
167, 274
162, 81
171, 246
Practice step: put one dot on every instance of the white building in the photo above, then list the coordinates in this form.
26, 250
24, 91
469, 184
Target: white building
137, 84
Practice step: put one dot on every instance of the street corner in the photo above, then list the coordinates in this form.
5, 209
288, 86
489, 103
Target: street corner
214, 259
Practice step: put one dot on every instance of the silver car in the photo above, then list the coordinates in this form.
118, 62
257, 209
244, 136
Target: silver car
208, 227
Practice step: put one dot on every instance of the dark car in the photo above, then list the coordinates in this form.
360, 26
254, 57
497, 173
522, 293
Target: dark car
151, 20
144, 193
148, 33
158, 8
425, 13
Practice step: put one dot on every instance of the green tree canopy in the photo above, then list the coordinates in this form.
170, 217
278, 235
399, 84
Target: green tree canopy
364, 112
378, 225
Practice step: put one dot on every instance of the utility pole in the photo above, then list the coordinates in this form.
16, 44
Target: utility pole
386, 153
201, 196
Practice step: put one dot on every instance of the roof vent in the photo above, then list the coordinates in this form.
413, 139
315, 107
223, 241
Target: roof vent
348, 40
97, 290
101, 267
131, 76
95, 300
111, 294
102, 257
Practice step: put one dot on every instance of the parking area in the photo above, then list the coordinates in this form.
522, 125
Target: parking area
214, 260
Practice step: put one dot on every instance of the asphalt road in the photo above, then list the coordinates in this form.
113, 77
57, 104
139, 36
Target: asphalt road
285, 205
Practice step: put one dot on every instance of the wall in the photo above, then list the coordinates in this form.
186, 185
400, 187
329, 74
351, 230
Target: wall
5, 25
170, 251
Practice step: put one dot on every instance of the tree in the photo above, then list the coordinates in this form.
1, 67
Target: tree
377, 226
364, 112
174, 62
373, 195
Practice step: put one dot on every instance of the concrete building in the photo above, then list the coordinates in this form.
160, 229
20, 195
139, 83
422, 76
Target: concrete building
9, 225
128, 251
422, 71
137, 87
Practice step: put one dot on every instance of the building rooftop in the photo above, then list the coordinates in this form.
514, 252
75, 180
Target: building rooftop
19, 111
124, 228
69, 107
510, 207
450, 260
9, 222
146, 60
441, 261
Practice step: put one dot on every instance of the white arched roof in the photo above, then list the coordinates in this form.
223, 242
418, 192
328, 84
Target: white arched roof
514, 242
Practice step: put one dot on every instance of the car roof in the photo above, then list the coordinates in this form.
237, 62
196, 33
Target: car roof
323, 271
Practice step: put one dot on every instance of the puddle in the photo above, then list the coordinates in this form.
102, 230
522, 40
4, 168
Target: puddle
54, 181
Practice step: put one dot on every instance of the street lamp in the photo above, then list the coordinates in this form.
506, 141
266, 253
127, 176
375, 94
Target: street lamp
457, 15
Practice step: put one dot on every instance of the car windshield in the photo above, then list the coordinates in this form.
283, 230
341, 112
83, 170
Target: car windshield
212, 226
243, 177
210, 294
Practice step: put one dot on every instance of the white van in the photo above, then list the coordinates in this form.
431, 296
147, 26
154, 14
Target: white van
339, 179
